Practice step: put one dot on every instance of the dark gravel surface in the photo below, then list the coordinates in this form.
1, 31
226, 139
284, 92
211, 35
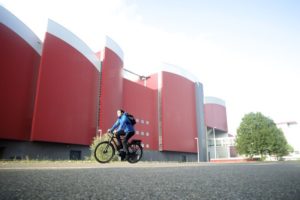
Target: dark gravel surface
278, 180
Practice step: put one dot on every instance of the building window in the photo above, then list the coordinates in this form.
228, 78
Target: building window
2, 152
75, 155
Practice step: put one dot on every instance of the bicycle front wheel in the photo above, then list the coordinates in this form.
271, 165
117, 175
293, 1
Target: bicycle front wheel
104, 152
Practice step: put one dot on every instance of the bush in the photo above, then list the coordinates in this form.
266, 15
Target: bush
96, 140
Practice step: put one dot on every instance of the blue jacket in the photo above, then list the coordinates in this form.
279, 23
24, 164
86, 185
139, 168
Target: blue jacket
123, 123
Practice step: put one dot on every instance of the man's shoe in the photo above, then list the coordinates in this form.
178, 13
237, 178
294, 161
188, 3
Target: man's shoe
126, 157
122, 158
122, 155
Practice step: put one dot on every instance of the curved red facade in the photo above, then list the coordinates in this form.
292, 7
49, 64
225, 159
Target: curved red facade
215, 114
178, 113
19, 57
68, 85
111, 85
66, 92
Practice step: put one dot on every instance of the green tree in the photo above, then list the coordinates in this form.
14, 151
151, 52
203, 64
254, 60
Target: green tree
279, 146
259, 135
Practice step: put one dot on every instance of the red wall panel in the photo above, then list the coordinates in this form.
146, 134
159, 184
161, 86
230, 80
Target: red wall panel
215, 116
67, 97
111, 88
18, 71
152, 82
178, 110
142, 103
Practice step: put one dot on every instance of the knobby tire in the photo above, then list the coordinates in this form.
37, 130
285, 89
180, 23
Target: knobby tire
104, 152
135, 153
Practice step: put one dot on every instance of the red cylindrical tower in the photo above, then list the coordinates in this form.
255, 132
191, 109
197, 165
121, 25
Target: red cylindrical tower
111, 84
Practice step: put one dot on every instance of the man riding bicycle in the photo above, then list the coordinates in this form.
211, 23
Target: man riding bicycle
122, 127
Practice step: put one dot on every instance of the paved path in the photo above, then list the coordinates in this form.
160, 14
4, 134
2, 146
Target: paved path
278, 180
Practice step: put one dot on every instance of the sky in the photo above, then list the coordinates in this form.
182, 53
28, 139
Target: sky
245, 52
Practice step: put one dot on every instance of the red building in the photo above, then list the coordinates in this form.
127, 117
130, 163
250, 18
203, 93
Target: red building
55, 96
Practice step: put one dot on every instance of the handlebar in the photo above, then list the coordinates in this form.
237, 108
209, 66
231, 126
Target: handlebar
110, 134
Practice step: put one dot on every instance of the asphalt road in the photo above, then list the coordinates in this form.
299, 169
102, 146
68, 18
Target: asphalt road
278, 180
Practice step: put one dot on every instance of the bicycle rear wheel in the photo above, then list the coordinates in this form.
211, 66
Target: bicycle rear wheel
135, 152
104, 152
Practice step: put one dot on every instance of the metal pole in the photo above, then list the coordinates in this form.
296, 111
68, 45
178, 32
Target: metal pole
207, 151
100, 132
215, 143
228, 147
198, 158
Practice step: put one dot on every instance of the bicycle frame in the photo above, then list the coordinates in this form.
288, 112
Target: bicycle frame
111, 140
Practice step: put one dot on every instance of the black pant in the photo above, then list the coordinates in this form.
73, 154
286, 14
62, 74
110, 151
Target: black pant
123, 142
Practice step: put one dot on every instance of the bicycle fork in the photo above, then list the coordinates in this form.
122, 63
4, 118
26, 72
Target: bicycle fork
107, 146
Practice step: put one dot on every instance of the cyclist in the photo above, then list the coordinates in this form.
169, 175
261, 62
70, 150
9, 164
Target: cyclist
122, 127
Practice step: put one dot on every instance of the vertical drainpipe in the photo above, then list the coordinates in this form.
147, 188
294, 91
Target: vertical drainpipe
202, 138
159, 114
98, 98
